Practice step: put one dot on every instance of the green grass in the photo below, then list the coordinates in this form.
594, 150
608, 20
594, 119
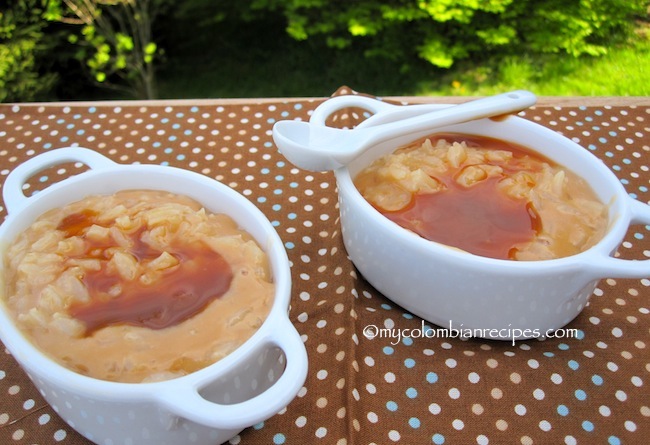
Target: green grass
231, 60
623, 71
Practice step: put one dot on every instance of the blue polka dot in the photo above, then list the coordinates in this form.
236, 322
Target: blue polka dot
180, 157
164, 120
602, 140
388, 350
391, 406
279, 439
275, 223
627, 161
432, 377
613, 440
258, 426
176, 126
580, 335
587, 426
187, 132
64, 139
580, 394
563, 346
179, 114
270, 120
265, 171
276, 207
598, 380
292, 216
277, 191
573, 364
80, 132
284, 114
414, 422
409, 363
92, 109
562, 410
386, 306
47, 146
261, 199
297, 107
43, 178
407, 316
643, 188
171, 138
279, 178
293, 185
280, 164
438, 439
289, 245
549, 354
194, 109
638, 235
408, 341
411, 393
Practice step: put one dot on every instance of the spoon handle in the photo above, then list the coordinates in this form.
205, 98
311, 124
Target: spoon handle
492, 106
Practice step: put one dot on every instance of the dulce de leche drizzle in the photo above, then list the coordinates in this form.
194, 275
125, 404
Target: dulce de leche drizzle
480, 219
181, 292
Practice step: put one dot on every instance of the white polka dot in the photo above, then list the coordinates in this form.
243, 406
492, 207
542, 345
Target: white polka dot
394, 435
544, 425
458, 424
630, 426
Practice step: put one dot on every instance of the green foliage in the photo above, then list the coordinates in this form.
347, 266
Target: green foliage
443, 32
115, 40
21, 44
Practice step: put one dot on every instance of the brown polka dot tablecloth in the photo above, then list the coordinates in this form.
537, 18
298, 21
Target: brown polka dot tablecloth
590, 387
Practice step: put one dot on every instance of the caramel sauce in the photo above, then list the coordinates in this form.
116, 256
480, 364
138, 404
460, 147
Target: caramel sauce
181, 292
479, 219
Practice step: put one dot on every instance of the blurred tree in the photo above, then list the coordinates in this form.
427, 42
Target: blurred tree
22, 41
115, 40
444, 31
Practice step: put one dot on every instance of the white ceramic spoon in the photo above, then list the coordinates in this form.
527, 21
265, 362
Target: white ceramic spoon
319, 148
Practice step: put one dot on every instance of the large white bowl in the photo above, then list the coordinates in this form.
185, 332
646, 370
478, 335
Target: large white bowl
478, 296
209, 406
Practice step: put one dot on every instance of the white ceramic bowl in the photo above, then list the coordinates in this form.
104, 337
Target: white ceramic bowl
209, 406
484, 297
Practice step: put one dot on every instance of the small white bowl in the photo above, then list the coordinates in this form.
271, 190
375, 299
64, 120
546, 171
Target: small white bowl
209, 406
483, 297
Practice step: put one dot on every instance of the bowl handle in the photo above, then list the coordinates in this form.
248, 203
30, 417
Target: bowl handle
12, 191
188, 403
331, 106
619, 268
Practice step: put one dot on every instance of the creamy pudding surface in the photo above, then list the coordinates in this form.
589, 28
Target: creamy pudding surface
485, 196
137, 286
